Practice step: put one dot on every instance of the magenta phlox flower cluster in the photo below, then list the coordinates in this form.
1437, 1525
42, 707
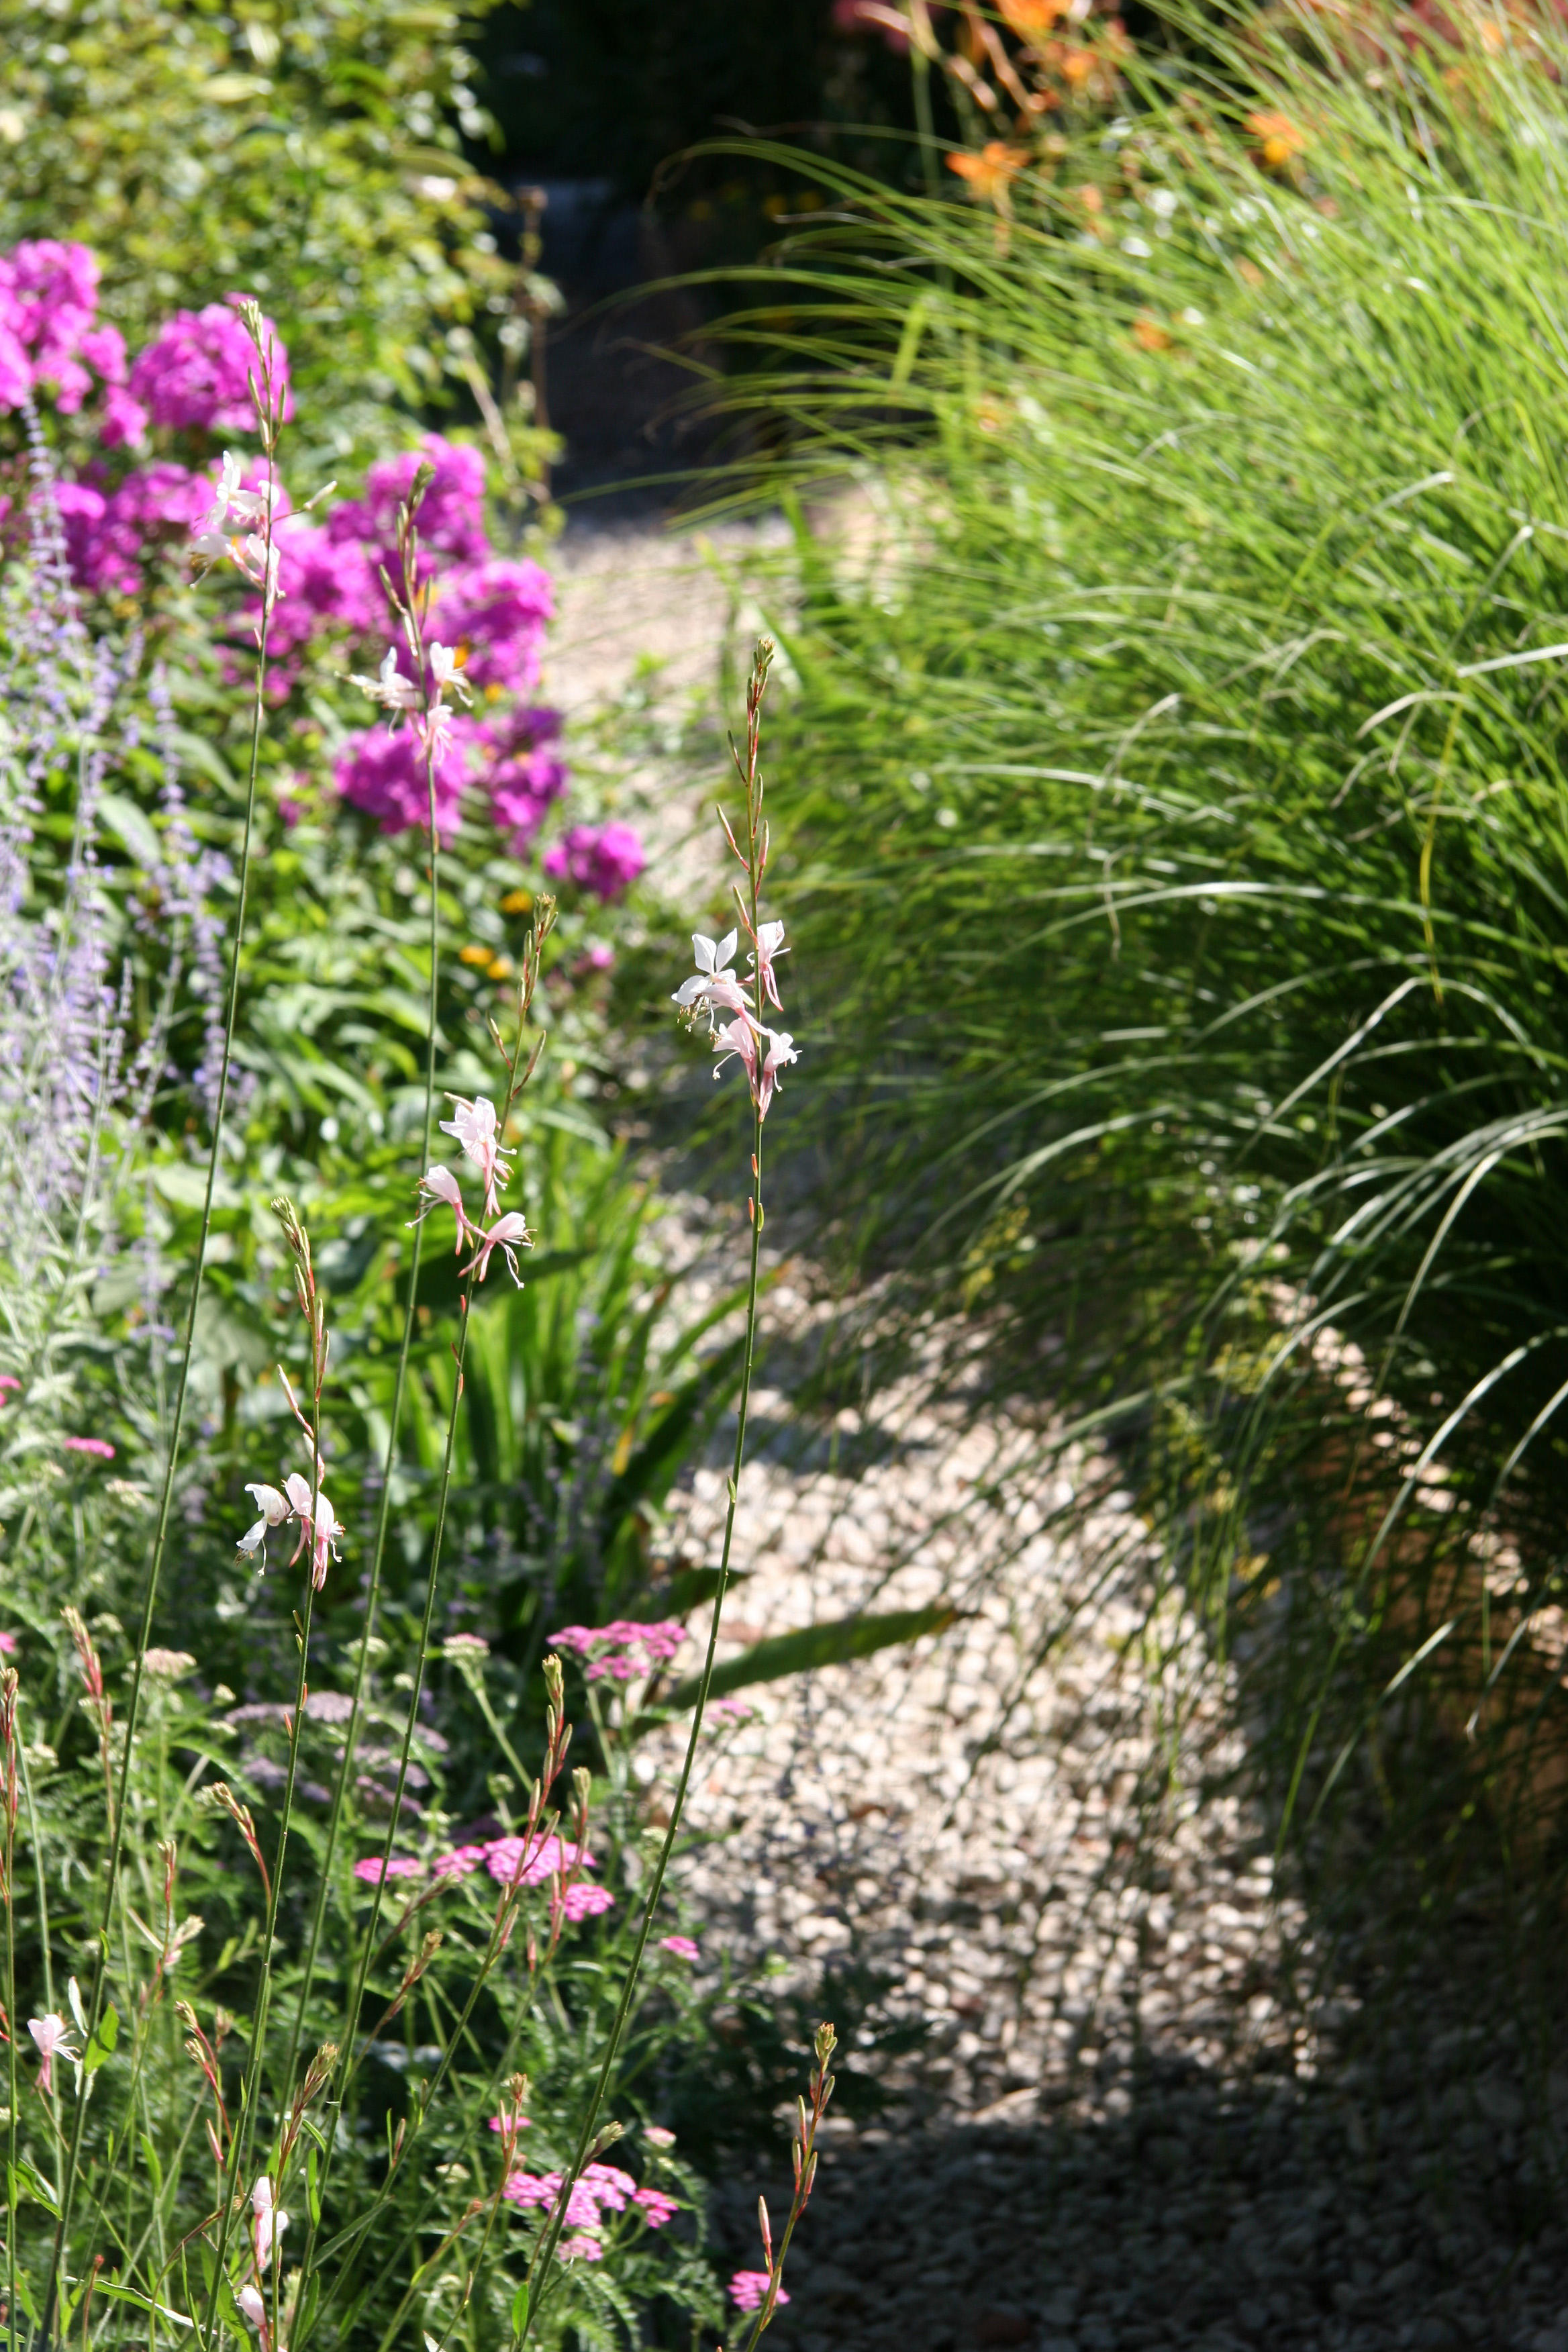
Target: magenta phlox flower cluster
528, 774
625, 1650
195, 375
451, 513
499, 608
327, 583
109, 531
603, 859
51, 340
747, 2289
383, 774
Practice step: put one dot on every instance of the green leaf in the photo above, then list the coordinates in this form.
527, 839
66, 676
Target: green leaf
133, 829
155, 2169
816, 1645
102, 2042
313, 2192
519, 2311
24, 2181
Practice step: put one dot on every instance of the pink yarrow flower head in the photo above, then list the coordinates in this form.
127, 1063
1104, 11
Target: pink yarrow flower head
51, 2035
747, 2289
656, 2206
681, 1946
656, 2136
604, 859
509, 2125
625, 1650
195, 375
580, 2248
520, 1861
461, 1863
99, 1447
475, 1128
579, 1903
542, 2188
402, 1865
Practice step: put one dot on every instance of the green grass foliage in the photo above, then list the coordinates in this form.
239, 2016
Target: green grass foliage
1178, 807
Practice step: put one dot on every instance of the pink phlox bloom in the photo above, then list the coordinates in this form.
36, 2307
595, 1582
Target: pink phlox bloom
611, 2186
269, 2223
99, 1447
461, 1863
402, 1865
327, 585
499, 609
681, 1946
274, 1509
477, 1132
124, 419
769, 944
515, 1860
580, 2248
656, 2136
51, 2034
747, 2289
451, 519
383, 772
781, 1053
508, 1233
605, 860
195, 375
444, 1191
581, 1902
713, 986
656, 2206
104, 347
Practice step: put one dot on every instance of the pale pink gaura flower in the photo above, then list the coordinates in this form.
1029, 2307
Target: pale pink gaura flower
327, 1527
769, 944
253, 2302
781, 1053
747, 2289
681, 1946
274, 1509
442, 1191
738, 1036
234, 503
268, 2221
447, 673
713, 987
475, 1128
654, 2205
508, 1233
51, 2034
399, 694
657, 2135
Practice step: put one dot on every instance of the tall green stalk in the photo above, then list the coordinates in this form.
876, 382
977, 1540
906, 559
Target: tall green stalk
754, 861
269, 406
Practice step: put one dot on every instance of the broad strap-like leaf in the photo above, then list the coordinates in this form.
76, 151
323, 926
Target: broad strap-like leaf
817, 1645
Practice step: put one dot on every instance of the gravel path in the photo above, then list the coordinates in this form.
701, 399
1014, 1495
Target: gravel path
1129, 2100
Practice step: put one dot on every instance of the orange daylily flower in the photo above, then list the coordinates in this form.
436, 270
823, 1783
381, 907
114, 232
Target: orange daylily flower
1149, 334
1279, 139
1028, 18
990, 173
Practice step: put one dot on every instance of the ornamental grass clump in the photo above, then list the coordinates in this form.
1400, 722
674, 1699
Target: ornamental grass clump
1176, 791
301, 2052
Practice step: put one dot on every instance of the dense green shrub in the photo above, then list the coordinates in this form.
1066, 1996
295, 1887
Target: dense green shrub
311, 156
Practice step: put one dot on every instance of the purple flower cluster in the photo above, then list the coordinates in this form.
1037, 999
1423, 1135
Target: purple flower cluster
605, 859
193, 379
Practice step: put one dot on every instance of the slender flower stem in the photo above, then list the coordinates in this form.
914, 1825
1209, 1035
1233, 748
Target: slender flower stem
266, 407
8, 1727
754, 862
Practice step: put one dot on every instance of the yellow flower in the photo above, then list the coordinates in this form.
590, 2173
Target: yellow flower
1281, 141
